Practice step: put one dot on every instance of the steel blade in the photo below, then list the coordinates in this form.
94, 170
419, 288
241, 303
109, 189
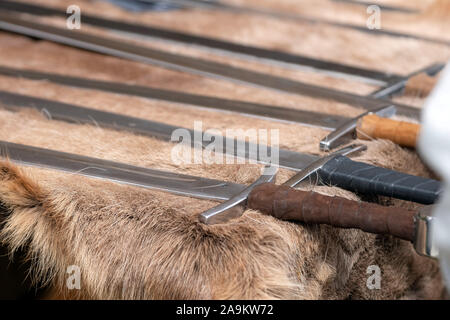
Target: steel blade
233, 147
310, 118
119, 172
191, 65
245, 51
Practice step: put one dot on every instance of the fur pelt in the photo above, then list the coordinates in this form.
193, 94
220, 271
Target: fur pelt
131, 243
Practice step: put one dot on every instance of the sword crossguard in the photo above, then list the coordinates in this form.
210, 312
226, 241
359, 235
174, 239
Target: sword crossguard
341, 134
227, 210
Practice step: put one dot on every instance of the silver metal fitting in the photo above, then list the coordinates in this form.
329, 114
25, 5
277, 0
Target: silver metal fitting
423, 243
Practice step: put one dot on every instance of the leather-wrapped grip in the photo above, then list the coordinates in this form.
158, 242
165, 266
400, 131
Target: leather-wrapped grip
364, 178
288, 203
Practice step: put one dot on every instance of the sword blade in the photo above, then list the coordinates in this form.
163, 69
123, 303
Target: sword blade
184, 185
245, 51
241, 149
310, 118
119, 172
338, 171
191, 65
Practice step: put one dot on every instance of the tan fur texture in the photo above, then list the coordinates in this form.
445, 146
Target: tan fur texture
438, 10
124, 233
131, 243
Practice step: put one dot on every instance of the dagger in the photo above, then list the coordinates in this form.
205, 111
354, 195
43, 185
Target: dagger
283, 202
334, 169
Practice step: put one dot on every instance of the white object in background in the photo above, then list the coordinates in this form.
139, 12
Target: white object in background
434, 147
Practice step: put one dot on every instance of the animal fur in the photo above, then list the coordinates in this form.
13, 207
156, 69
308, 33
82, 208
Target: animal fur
132, 243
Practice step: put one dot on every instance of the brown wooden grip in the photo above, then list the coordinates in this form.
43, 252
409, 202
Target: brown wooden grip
420, 85
400, 132
310, 207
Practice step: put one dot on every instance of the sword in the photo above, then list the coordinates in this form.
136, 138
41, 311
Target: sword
334, 169
279, 201
213, 4
372, 124
224, 47
181, 63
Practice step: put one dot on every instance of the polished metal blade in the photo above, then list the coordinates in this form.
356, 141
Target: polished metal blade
13, 23
119, 172
272, 112
233, 147
217, 45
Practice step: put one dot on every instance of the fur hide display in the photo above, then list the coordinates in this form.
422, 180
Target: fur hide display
133, 243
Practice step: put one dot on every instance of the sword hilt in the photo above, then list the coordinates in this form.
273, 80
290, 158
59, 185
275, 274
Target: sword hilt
400, 132
374, 125
364, 178
348, 129
287, 203
229, 209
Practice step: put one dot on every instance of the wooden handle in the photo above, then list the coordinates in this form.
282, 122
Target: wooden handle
400, 132
288, 203
420, 85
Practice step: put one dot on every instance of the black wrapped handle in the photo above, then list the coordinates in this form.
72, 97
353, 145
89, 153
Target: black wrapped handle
364, 178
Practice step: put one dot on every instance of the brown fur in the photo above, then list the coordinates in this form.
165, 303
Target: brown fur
131, 245
438, 10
